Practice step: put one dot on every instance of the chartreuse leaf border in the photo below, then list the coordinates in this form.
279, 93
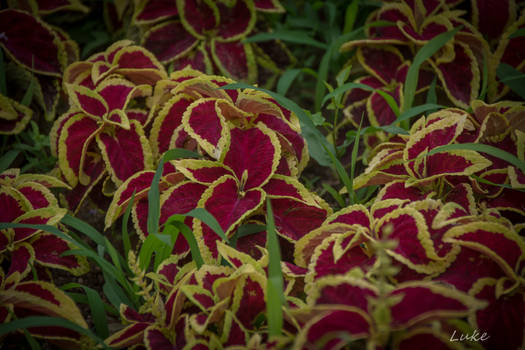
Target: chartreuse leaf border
493, 151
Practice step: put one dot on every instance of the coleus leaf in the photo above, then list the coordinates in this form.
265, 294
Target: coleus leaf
229, 204
41, 52
153, 11
234, 59
500, 243
125, 152
169, 41
13, 116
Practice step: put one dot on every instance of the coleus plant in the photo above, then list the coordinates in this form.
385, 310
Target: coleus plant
415, 23
36, 61
27, 199
453, 241
95, 137
411, 157
251, 147
201, 308
207, 35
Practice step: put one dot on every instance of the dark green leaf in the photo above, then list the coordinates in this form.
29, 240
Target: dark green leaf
513, 78
274, 288
422, 55
286, 80
7, 159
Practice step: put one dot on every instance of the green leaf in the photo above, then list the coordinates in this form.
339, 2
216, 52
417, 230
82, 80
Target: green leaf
344, 88
484, 79
478, 147
45, 321
32, 342
422, 55
97, 307
125, 220
85, 228
351, 15
246, 230
28, 96
335, 195
286, 80
485, 181
192, 242
292, 36
406, 115
353, 161
513, 78
7, 159
205, 216
317, 143
153, 193
274, 288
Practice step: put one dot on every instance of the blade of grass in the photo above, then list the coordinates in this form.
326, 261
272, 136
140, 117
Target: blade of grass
97, 307
190, 238
286, 80
493, 151
353, 162
246, 230
204, 216
484, 79
350, 15
153, 193
335, 195
485, 181
274, 288
46, 321
513, 78
406, 115
125, 220
422, 55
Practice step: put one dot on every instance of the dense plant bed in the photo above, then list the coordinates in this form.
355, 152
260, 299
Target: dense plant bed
151, 198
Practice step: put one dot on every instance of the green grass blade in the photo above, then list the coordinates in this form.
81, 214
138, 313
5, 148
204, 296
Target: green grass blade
7, 159
246, 230
414, 111
204, 216
46, 321
431, 94
286, 80
493, 151
344, 88
292, 36
97, 307
114, 293
353, 162
335, 195
84, 228
125, 220
317, 143
484, 80
350, 16
192, 242
274, 288
513, 78
33, 344
422, 55
153, 193
485, 181
341, 172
